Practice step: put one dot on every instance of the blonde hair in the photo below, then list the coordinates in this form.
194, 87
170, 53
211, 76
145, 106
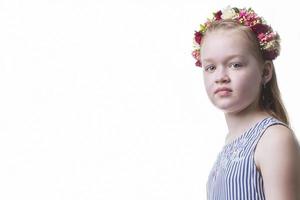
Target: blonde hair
270, 97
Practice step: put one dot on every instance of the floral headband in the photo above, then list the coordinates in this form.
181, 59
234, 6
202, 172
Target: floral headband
268, 39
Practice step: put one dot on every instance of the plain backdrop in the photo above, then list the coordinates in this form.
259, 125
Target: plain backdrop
101, 99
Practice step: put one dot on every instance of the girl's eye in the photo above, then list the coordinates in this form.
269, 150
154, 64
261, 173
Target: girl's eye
236, 65
210, 68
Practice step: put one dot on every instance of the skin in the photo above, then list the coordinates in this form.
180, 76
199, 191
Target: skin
244, 74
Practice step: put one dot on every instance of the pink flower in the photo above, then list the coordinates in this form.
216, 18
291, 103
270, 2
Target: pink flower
270, 37
242, 13
196, 54
262, 37
266, 37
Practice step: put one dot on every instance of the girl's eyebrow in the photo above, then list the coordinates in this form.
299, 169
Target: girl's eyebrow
227, 58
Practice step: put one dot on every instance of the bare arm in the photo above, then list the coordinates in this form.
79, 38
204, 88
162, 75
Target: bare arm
279, 162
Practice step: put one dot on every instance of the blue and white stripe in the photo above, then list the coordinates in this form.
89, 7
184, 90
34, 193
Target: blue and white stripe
234, 175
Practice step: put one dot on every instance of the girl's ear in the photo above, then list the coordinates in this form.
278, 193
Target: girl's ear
267, 71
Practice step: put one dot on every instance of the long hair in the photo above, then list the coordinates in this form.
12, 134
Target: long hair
270, 97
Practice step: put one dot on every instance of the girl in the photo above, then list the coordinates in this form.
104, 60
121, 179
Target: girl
261, 156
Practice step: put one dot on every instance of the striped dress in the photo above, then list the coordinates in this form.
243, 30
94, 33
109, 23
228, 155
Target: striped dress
234, 175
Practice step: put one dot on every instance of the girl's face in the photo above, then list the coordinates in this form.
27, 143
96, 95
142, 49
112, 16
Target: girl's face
228, 61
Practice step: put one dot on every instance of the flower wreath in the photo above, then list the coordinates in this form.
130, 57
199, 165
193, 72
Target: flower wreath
269, 40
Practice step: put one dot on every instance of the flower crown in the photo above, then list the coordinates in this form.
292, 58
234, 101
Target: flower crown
269, 40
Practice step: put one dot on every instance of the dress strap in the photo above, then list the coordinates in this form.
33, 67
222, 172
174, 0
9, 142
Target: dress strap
263, 127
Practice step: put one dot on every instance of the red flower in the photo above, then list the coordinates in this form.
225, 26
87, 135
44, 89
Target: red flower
218, 15
198, 37
270, 55
260, 28
198, 63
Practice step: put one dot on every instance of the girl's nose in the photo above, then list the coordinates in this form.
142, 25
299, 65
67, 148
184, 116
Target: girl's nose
222, 76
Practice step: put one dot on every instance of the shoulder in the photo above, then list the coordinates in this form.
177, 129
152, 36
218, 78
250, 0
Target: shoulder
278, 159
277, 139
278, 136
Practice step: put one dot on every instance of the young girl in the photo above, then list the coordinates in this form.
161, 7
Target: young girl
260, 158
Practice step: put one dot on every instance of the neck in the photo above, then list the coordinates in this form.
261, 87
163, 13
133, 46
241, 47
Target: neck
238, 123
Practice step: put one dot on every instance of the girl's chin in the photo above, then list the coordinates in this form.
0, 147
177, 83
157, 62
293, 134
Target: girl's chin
232, 107
228, 106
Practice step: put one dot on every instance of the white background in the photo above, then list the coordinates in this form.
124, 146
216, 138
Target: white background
101, 99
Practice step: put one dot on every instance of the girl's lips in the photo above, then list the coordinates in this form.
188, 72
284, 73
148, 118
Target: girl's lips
224, 92
223, 89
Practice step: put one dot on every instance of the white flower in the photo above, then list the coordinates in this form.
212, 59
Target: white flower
273, 44
196, 45
228, 13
